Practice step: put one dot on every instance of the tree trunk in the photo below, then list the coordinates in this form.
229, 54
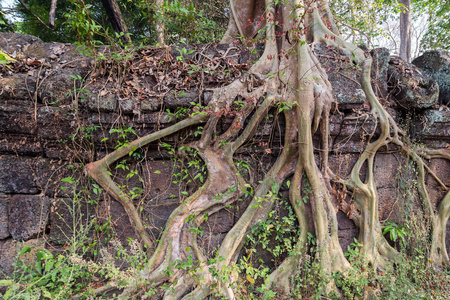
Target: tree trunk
160, 27
51, 17
116, 19
405, 31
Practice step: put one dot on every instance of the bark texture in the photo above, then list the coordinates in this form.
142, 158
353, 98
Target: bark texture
116, 19
405, 30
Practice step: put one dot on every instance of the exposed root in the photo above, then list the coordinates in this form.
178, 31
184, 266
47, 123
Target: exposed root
99, 172
289, 74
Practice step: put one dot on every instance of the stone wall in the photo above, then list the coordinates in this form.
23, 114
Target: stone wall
57, 112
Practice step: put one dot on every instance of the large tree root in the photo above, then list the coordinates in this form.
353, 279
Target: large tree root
292, 78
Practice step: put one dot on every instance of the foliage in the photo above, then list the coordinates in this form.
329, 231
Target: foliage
395, 231
5, 58
362, 20
85, 21
185, 23
43, 274
5, 24
365, 21
437, 35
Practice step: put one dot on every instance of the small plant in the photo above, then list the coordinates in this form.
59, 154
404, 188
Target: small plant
79, 19
187, 24
396, 231
5, 59
310, 280
179, 113
285, 106
42, 274
354, 282
122, 136
183, 52
51, 277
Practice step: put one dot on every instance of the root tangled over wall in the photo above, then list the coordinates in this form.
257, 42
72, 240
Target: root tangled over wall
291, 82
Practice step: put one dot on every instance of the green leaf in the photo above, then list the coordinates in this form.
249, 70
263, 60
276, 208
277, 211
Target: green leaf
44, 254
6, 282
394, 235
25, 249
47, 294
5, 58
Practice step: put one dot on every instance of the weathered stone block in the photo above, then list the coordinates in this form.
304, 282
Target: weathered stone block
150, 104
20, 144
69, 217
8, 250
58, 88
343, 75
19, 86
17, 119
386, 170
4, 229
180, 99
128, 106
11, 42
343, 164
347, 231
49, 174
120, 221
436, 63
55, 123
17, 176
434, 124
220, 222
105, 103
410, 87
158, 181
28, 215
154, 118
380, 64
389, 205
156, 216
440, 168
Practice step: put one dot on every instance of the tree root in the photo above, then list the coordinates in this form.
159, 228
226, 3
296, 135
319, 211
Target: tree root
294, 79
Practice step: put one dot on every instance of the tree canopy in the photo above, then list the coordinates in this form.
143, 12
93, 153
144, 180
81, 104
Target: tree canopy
191, 22
363, 21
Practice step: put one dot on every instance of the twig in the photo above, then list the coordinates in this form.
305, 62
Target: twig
34, 15
350, 79
28, 90
36, 93
435, 177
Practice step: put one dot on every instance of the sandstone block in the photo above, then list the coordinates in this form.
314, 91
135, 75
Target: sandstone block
28, 215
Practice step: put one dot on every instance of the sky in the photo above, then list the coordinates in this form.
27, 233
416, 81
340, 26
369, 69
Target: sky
6, 4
